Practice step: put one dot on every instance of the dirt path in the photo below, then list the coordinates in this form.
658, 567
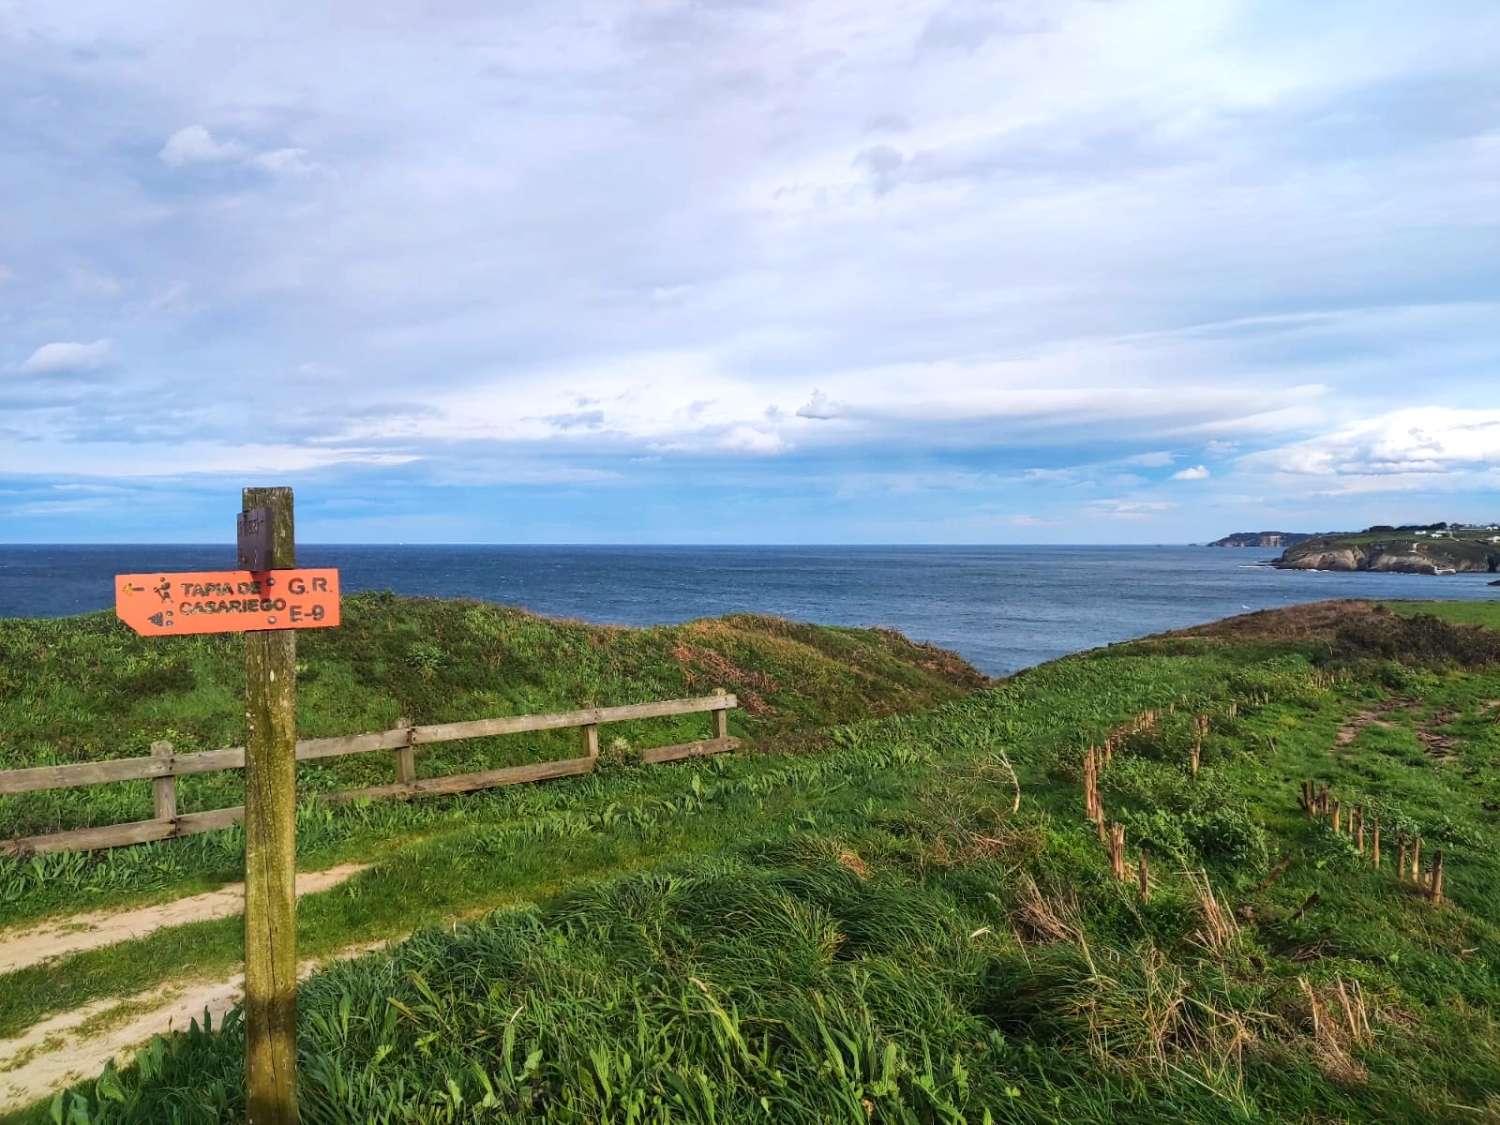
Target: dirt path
73, 1046
1374, 717
60, 937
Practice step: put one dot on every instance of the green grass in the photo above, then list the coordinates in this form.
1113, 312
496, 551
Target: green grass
864, 930
1486, 614
85, 689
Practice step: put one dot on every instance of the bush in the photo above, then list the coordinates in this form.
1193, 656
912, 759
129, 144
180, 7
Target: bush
1422, 639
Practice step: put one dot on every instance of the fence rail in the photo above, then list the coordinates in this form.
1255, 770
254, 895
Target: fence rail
163, 767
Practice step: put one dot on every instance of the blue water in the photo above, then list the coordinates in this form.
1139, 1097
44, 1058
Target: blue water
1004, 608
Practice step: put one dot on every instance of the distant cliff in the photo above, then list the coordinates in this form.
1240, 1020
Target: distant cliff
1399, 551
1262, 539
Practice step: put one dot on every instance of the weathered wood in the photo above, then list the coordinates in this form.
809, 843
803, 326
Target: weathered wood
270, 846
406, 757
1435, 888
310, 749
118, 835
184, 765
467, 782
688, 750
163, 767
163, 789
85, 773
520, 724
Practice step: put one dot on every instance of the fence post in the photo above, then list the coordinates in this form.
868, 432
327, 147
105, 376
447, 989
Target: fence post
270, 845
164, 789
721, 719
406, 757
590, 739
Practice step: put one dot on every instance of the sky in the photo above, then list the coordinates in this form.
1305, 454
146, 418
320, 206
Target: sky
730, 271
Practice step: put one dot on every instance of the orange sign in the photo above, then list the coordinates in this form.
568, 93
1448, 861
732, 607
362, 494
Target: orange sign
227, 601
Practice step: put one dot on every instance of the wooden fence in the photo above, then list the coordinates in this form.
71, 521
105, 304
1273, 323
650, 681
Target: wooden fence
164, 767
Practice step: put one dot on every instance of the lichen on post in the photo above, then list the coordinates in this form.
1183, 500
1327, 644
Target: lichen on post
270, 846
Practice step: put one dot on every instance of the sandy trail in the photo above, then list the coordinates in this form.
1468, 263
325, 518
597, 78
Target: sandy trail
74, 1046
61, 937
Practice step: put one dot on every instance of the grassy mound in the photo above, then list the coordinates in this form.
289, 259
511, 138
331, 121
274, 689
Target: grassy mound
85, 688
881, 931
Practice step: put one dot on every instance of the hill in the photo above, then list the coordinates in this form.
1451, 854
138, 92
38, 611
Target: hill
1403, 550
85, 688
910, 919
1262, 539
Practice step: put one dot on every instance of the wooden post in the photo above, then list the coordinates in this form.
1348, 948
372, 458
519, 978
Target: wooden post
406, 756
1401, 859
1143, 878
270, 845
1360, 837
1375, 845
164, 789
590, 734
720, 719
1416, 860
1336, 809
1437, 876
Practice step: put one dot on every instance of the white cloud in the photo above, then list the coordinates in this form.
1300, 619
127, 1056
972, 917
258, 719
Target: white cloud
92, 283
1197, 472
283, 162
194, 144
65, 356
1119, 509
1219, 448
1050, 476
820, 407
1032, 521
6, 273
748, 439
1157, 460
1428, 440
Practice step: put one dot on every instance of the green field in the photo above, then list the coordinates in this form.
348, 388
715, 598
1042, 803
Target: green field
858, 926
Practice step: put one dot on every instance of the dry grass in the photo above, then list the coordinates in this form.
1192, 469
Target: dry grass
1336, 1020
1218, 930
1037, 919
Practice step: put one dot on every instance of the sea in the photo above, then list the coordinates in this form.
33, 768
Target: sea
1003, 608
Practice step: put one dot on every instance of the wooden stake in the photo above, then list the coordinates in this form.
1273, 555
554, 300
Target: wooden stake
406, 757
163, 789
270, 846
1143, 877
1375, 845
590, 737
1359, 842
1416, 860
721, 722
1436, 892
1401, 858
1336, 816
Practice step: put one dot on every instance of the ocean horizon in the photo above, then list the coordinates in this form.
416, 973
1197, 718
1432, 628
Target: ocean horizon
1004, 608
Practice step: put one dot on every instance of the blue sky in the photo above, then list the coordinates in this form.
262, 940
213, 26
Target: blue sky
727, 271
